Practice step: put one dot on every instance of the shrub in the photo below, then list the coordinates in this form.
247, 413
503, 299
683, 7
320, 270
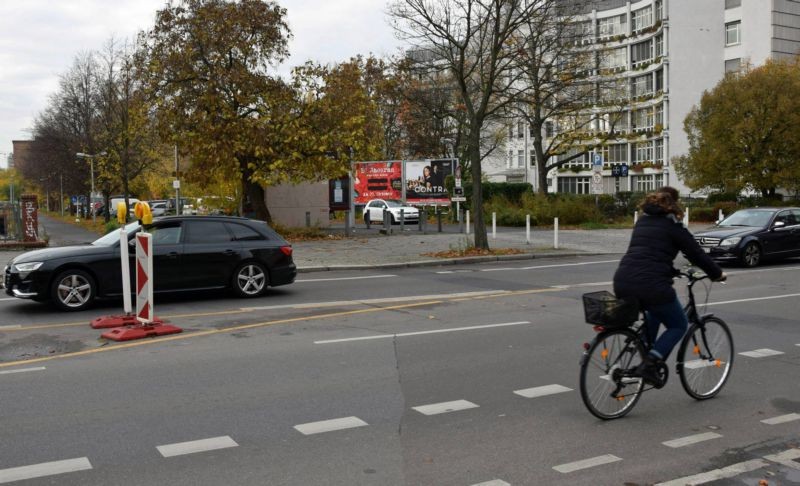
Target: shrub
703, 214
111, 226
716, 197
727, 208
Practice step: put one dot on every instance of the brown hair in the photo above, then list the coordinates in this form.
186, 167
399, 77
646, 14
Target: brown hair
667, 199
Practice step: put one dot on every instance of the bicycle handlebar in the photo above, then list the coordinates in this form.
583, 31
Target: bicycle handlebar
695, 275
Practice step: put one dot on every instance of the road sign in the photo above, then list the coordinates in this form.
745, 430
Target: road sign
597, 183
74, 199
176, 184
458, 199
597, 164
623, 170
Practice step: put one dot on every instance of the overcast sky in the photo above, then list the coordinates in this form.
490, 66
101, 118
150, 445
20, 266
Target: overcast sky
39, 39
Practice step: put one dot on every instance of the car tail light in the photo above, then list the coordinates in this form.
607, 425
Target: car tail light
286, 250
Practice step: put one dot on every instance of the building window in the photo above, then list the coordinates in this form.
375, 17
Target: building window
520, 158
549, 129
510, 131
508, 159
574, 185
642, 52
659, 151
660, 80
647, 183
616, 153
614, 58
659, 115
659, 6
520, 130
659, 45
733, 65
732, 4
642, 152
642, 85
643, 120
611, 26
733, 34
642, 18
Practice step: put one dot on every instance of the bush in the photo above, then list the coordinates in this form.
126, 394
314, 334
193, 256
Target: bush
727, 208
716, 197
111, 226
703, 214
511, 191
508, 214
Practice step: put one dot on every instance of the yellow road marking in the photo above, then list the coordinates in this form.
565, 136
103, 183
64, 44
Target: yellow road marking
211, 332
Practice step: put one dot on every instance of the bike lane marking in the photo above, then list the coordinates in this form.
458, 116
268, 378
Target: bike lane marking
542, 391
22, 370
691, 439
761, 353
781, 419
587, 463
419, 333
444, 407
717, 474
332, 425
194, 446
44, 469
493, 482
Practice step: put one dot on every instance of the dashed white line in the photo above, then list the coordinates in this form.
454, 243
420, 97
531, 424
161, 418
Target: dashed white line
541, 391
701, 363
22, 370
194, 446
341, 278
717, 474
44, 469
493, 482
8, 298
384, 300
15, 326
761, 353
587, 463
536, 267
753, 299
445, 407
691, 439
781, 419
330, 425
786, 458
419, 333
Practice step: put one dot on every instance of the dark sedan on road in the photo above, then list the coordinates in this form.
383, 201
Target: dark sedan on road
749, 236
189, 253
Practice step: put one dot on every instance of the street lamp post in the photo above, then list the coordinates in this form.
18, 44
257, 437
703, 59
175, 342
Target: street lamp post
81, 155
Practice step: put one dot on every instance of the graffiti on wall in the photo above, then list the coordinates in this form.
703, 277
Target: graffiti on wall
30, 218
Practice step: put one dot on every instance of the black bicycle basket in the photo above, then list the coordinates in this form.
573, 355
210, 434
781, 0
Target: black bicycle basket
603, 308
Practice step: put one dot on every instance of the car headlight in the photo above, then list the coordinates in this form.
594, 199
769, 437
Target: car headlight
732, 241
28, 267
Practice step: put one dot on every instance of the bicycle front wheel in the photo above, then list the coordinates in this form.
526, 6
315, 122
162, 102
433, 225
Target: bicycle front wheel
705, 358
606, 389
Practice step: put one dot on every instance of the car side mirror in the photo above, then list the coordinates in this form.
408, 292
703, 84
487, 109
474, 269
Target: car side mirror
778, 225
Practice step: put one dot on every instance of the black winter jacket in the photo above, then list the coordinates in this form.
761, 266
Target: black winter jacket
646, 270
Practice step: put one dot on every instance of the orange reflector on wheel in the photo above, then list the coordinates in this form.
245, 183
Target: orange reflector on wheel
696, 350
604, 353
620, 398
718, 363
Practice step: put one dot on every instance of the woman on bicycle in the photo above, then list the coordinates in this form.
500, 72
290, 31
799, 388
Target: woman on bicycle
646, 272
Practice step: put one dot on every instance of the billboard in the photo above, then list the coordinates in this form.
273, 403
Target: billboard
377, 180
425, 181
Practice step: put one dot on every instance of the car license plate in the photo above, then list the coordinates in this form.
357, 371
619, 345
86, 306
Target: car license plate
707, 249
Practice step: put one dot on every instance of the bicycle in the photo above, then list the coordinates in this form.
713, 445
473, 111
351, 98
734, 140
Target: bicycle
609, 386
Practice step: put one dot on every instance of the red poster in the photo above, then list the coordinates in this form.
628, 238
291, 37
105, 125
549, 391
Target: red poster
377, 180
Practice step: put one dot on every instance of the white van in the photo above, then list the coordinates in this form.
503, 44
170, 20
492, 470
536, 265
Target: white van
118, 199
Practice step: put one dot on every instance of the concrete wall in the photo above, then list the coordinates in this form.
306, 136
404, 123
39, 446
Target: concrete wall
289, 203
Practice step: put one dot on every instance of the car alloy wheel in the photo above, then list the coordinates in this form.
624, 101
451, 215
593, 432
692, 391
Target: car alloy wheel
251, 280
73, 290
751, 255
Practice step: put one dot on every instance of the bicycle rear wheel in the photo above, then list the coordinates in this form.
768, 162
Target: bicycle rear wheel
605, 389
705, 358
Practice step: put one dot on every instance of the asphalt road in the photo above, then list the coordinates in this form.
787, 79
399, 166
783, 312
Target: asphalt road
399, 377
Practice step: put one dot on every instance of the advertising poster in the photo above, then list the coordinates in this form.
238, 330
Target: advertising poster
425, 181
377, 180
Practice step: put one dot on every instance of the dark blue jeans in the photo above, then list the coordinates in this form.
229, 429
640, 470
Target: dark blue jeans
674, 319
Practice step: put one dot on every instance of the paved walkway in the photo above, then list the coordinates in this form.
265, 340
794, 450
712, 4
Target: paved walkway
406, 248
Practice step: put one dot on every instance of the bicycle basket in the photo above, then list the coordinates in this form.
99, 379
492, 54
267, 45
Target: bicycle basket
603, 308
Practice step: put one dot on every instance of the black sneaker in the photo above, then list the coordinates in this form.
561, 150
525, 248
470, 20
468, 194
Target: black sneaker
650, 371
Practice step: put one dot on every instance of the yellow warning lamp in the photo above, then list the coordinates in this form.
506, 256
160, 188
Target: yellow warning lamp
143, 213
122, 211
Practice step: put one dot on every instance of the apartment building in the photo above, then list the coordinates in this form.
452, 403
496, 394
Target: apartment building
662, 54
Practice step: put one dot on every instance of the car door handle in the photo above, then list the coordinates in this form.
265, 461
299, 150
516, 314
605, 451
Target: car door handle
229, 252
172, 255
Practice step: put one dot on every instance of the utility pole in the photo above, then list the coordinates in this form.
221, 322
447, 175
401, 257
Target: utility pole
177, 184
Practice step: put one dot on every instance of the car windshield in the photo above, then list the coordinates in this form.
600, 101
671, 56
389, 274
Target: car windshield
112, 237
393, 203
747, 217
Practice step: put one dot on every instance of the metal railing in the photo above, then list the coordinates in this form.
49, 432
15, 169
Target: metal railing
10, 221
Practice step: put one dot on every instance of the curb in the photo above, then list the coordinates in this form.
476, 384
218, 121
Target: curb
446, 261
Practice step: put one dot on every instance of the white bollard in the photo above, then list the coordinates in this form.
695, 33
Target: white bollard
635, 217
467, 222
527, 229
686, 218
555, 233
721, 216
494, 225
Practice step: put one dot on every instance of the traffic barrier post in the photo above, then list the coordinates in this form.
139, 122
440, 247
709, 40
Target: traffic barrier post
555, 233
527, 229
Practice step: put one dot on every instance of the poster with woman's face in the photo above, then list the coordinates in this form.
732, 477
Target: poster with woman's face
425, 181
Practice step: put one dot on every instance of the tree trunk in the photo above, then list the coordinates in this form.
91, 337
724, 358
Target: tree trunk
254, 193
481, 241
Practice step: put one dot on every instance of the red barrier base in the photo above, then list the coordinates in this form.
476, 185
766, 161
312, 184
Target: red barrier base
129, 333
105, 322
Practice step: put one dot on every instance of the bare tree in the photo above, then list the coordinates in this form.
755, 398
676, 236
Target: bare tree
568, 93
469, 43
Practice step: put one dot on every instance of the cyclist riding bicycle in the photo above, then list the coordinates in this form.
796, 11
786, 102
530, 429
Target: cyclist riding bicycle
646, 273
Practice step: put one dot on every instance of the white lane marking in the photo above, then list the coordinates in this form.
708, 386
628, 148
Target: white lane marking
191, 447
785, 296
542, 391
445, 407
384, 300
15, 326
419, 333
330, 425
716, 474
44, 469
691, 439
493, 482
341, 278
22, 370
701, 363
786, 458
761, 353
587, 463
586, 284
781, 419
455, 271
536, 267
8, 298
